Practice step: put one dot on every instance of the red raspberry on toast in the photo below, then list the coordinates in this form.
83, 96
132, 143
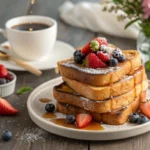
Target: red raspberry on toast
101, 41
105, 57
92, 61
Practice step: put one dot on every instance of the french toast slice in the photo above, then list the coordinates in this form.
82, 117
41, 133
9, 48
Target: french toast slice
64, 94
112, 118
118, 88
102, 76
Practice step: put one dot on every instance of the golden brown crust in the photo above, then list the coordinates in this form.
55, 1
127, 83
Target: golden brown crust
123, 69
101, 93
113, 118
109, 105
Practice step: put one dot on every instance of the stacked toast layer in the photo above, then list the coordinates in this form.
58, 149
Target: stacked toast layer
62, 95
103, 76
124, 85
112, 118
109, 94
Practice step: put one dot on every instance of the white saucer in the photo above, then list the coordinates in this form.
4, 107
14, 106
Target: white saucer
61, 51
110, 132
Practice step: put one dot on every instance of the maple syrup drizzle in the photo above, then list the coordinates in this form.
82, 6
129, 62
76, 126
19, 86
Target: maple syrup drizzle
142, 76
45, 100
62, 122
93, 125
49, 115
111, 89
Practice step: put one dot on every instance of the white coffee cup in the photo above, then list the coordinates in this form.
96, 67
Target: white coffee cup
31, 45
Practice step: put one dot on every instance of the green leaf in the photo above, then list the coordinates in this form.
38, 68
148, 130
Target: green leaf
131, 22
147, 66
117, 1
24, 89
145, 25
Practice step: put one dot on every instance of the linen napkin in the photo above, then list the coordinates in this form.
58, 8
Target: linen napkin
89, 15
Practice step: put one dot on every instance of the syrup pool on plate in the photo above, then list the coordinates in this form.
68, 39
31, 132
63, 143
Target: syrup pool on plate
54, 118
62, 122
45, 100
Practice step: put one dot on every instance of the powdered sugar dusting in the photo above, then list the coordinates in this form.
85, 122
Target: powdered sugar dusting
34, 134
127, 77
71, 64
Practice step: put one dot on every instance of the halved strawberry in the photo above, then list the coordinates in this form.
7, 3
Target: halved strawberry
105, 57
101, 41
86, 49
92, 61
83, 120
145, 108
3, 71
6, 108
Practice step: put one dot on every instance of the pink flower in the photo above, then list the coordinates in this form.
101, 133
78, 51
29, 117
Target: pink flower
146, 8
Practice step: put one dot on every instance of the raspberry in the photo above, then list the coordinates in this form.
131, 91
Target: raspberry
103, 56
92, 61
101, 41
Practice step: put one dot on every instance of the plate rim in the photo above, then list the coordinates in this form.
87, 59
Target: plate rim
32, 96
45, 68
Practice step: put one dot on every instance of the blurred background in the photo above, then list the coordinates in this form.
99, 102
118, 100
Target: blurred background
72, 35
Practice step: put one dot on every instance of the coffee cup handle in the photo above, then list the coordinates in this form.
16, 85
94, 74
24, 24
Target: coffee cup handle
3, 32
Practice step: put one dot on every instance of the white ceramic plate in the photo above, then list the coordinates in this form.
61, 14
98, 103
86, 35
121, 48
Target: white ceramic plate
110, 132
61, 51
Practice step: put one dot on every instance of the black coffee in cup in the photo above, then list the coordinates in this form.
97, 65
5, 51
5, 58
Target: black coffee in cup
30, 26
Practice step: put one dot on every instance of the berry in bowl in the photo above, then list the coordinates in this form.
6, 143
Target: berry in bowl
7, 82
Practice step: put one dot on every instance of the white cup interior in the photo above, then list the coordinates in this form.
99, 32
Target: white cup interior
30, 19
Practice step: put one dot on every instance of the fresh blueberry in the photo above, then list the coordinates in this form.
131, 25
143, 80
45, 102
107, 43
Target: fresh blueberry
113, 62
133, 118
49, 107
77, 52
3, 81
116, 53
70, 119
121, 58
7, 135
8, 81
78, 59
142, 119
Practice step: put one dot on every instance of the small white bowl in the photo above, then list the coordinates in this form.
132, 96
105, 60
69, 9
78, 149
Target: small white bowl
8, 88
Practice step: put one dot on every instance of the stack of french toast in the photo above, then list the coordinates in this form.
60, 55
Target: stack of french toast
102, 80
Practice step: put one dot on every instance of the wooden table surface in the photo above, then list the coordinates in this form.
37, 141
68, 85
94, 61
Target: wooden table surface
21, 125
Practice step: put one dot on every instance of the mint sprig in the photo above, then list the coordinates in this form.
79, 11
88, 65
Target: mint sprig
24, 89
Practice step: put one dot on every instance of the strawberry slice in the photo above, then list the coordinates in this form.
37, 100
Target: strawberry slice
86, 49
83, 120
3, 71
145, 108
105, 57
92, 61
6, 108
101, 41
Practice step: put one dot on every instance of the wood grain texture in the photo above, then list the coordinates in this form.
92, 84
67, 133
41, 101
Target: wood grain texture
140, 142
20, 123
